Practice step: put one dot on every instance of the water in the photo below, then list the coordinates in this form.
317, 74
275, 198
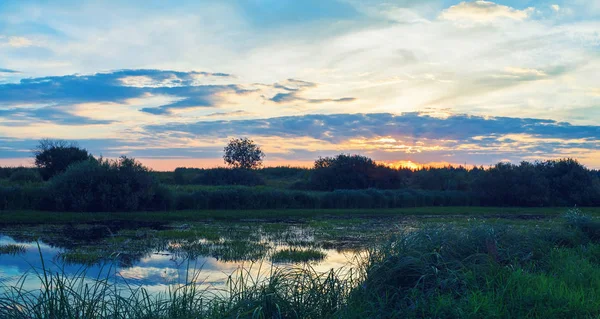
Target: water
157, 256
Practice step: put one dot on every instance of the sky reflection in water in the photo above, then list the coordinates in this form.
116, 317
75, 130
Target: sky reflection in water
155, 271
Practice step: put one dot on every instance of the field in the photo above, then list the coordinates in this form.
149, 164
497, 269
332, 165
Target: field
426, 262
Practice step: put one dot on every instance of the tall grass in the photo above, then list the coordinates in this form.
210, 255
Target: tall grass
249, 293
12, 249
478, 271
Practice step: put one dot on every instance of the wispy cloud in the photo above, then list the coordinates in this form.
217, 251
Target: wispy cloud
292, 89
8, 71
26, 116
229, 114
15, 42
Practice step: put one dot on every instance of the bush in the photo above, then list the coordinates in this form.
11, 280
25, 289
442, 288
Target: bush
283, 172
352, 172
241, 197
22, 197
25, 175
5, 172
105, 185
225, 176
217, 176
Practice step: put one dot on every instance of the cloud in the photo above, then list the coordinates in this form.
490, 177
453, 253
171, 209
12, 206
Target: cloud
292, 89
483, 11
293, 97
416, 136
229, 114
485, 83
186, 90
340, 127
555, 7
8, 71
16, 42
193, 97
25, 116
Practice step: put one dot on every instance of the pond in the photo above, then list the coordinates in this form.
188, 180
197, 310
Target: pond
155, 256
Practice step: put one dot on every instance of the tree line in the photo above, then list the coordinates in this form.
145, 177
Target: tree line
68, 178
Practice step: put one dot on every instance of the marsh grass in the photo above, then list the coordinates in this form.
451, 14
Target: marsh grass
448, 271
249, 293
190, 232
297, 255
84, 256
12, 249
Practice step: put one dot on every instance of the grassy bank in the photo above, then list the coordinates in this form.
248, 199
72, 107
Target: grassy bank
37, 217
472, 271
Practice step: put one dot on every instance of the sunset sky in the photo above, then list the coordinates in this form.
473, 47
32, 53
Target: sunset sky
426, 81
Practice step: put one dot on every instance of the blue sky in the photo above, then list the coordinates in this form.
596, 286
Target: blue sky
428, 81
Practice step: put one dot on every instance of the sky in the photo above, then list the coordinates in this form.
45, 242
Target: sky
430, 82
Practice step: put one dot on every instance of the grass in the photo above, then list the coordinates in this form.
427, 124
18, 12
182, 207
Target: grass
475, 270
187, 234
239, 250
37, 217
276, 293
190, 232
84, 256
295, 255
12, 249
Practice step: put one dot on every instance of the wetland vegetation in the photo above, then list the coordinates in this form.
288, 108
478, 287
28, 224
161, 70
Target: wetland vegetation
419, 266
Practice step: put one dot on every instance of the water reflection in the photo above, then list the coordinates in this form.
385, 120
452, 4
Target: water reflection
158, 256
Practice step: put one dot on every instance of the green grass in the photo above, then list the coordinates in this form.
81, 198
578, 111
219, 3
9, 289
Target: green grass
12, 249
36, 217
295, 255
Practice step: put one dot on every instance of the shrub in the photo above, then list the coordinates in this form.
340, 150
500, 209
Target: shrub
25, 175
5, 172
283, 172
21, 197
105, 185
352, 172
225, 176
590, 227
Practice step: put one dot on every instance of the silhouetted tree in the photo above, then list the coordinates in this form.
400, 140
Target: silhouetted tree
243, 153
52, 157
353, 172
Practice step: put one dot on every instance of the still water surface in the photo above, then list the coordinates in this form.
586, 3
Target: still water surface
158, 256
